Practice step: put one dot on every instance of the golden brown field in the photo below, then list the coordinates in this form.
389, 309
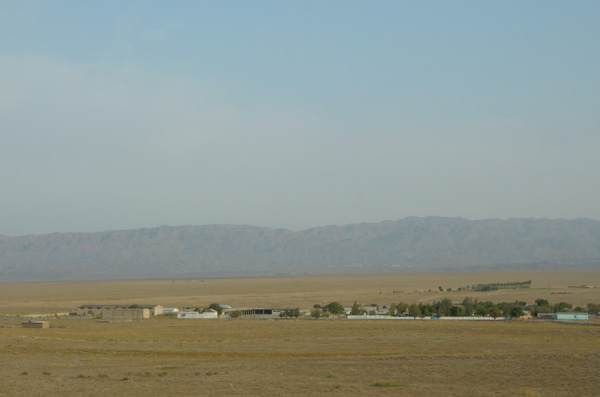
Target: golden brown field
300, 357
166, 356
302, 291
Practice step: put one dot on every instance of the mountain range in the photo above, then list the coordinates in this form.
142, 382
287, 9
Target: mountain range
410, 244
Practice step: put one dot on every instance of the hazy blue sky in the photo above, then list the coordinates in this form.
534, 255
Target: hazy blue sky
128, 114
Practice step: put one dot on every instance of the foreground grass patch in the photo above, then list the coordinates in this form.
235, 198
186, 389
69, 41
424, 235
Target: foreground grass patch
170, 367
387, 384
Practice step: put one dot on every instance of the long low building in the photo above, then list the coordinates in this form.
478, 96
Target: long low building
126, 314
98, 309
256, 312
564, 316
209, 314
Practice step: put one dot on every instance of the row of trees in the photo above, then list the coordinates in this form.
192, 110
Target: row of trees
490, 286
334, 308
444, 307
470, 307
543, 306
497, 286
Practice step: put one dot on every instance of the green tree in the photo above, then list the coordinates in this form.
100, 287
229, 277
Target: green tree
505, 307
540, 309
400, 308
494, 312
542, 302
290, 313
441, 289
482, 311
335, 308
457, 311
316, 313
516, 311
236, 314
591, 308
216, 307
426, 309
355, 311
469, 306
487, 304
414, 311
559, 307
444, 307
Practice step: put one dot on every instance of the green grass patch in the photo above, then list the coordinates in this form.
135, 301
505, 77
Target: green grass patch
387, 384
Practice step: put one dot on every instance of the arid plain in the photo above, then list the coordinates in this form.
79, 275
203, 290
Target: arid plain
166, 356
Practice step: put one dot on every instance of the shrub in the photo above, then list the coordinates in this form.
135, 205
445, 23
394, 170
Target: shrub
316, 313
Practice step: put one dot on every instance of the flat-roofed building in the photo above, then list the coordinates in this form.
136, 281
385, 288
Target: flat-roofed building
564, 316
257, 312
97, 309
36, 324
208, 314
126, 314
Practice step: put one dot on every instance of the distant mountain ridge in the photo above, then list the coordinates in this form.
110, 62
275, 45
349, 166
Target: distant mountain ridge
410, 244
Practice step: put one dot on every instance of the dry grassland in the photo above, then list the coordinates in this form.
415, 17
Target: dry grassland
166, 356
302, 291
300, 357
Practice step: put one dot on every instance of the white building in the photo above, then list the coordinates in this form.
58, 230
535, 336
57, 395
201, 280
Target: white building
208, 314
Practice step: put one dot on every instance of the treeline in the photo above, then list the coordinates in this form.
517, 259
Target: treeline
318, 311
473, 307
498, 286
543, 306
442, 308
486, 287
447, 308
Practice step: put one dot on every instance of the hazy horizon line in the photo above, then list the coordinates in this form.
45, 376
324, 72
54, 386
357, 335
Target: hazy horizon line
299, 230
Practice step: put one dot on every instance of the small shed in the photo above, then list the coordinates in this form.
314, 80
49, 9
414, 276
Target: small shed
36, 324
